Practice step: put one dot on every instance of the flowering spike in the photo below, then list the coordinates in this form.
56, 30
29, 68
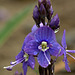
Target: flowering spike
41, 42
36, 15
54, 24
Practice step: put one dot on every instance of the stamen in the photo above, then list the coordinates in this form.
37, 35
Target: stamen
8, 67
43, 46
47, 58
70, 55
13, 64
59, 52
26, 57
70, 51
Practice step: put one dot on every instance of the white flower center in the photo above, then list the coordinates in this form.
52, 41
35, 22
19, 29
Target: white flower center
43, 46
26, 57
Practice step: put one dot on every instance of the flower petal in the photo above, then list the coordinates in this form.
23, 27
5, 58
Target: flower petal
34, 28
55, 49
28, 38
25, 64
66, 62
31, 61
31, 48
67, 66
44, 33
20, 55
63, 42
42, 59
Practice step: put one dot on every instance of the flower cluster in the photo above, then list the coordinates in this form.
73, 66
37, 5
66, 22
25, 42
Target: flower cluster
41, 41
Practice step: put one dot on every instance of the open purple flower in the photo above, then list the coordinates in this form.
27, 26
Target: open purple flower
44, 44
27, 60
63, 42
22, 57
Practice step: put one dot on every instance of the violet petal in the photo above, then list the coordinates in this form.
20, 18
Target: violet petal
31, 48
42, 60
28, 38
44, 34
20, 55
63, 42
25, 64
34, 28
66, 62
67, 66
31, 61
55, 48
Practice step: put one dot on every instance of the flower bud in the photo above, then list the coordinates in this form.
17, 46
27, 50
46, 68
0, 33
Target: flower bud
42, 13
39, 2
36, 15
54, 24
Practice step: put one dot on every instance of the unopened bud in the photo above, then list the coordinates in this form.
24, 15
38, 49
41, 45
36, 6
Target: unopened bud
54, 24
36, 15
42, 13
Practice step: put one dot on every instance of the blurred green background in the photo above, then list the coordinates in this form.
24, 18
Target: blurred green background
16, 22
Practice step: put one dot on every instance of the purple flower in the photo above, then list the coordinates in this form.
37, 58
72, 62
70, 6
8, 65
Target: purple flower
44, 44
63, 42
27, 60
22, 57
54, 24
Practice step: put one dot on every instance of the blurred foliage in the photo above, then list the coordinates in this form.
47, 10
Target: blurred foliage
13, 23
